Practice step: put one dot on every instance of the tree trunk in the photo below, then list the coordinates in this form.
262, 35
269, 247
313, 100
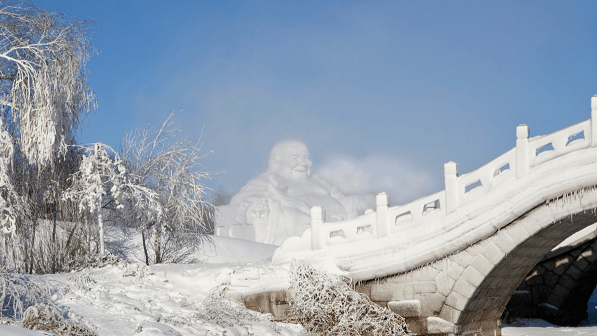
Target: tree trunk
157, 244
101, 232
88, 238
145, 248
32, 250
54, 245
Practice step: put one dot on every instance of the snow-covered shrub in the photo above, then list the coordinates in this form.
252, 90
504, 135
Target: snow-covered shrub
328, 306
102, 180
39, 231
47, 318
225, 313
83, 282
17, 293
138, 272
171, 169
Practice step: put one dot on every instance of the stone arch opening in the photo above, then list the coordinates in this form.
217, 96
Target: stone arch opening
543, 228
559, 287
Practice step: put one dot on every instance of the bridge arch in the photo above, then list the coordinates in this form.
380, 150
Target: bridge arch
472, 287
510, 255
559, 287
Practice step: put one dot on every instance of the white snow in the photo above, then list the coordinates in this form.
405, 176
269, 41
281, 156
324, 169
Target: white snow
580, 234
132, 299
536, 327
127, 299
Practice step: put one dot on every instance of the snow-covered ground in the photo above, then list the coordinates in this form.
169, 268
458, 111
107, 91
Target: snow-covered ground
536, 327
132, 299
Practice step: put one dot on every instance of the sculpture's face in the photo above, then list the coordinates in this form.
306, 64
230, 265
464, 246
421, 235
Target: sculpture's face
294, 163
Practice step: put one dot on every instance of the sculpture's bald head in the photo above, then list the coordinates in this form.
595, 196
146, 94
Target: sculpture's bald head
290, 159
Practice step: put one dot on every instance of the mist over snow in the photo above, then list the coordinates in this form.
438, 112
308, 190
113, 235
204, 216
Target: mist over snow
404, 181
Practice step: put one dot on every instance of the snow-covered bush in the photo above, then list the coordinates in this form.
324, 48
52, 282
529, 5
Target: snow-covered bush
47, 318
102, 180
170, 168
328, 306
18, 294
226, 313
21, 300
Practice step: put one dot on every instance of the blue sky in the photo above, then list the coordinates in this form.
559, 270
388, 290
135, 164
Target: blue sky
394, 87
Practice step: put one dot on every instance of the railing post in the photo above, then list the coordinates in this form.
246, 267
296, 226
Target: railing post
594, 121
451, 181
317, 220
382, 201
522, 150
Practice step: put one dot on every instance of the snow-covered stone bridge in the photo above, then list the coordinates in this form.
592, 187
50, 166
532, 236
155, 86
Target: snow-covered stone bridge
450, 262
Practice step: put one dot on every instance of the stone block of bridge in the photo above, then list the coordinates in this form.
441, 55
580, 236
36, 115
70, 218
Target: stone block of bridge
472, 276
432, 303
455, 271
574, 272
481, 264
273, 302
386, 291
444, 284
416, 325
589, 255
425, 287
439, 326
493, 253
463, 288
406, 308
504, 242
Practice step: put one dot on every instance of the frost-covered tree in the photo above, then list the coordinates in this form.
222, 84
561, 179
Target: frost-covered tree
43, 87
102, 180
12, 206
170, 168
43, 94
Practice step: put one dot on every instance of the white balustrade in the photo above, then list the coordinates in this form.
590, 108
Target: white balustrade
360, 228
473, 185
460, 190
522, 150
559, 143
317, 220
451, 183
593, 121
423, 210
382, 200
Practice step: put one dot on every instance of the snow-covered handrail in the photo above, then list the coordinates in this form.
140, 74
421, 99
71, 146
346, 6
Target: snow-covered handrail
459, 190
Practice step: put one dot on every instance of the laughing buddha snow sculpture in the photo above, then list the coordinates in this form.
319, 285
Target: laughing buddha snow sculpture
276, 205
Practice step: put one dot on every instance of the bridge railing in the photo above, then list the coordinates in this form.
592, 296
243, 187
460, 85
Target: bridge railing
360, 228
472, 186
460, 190
423, 210
569, 139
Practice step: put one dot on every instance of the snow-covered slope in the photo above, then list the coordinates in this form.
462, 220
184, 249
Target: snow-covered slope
133, 299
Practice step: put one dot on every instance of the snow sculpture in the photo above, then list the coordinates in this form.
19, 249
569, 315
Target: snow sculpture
276, 204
